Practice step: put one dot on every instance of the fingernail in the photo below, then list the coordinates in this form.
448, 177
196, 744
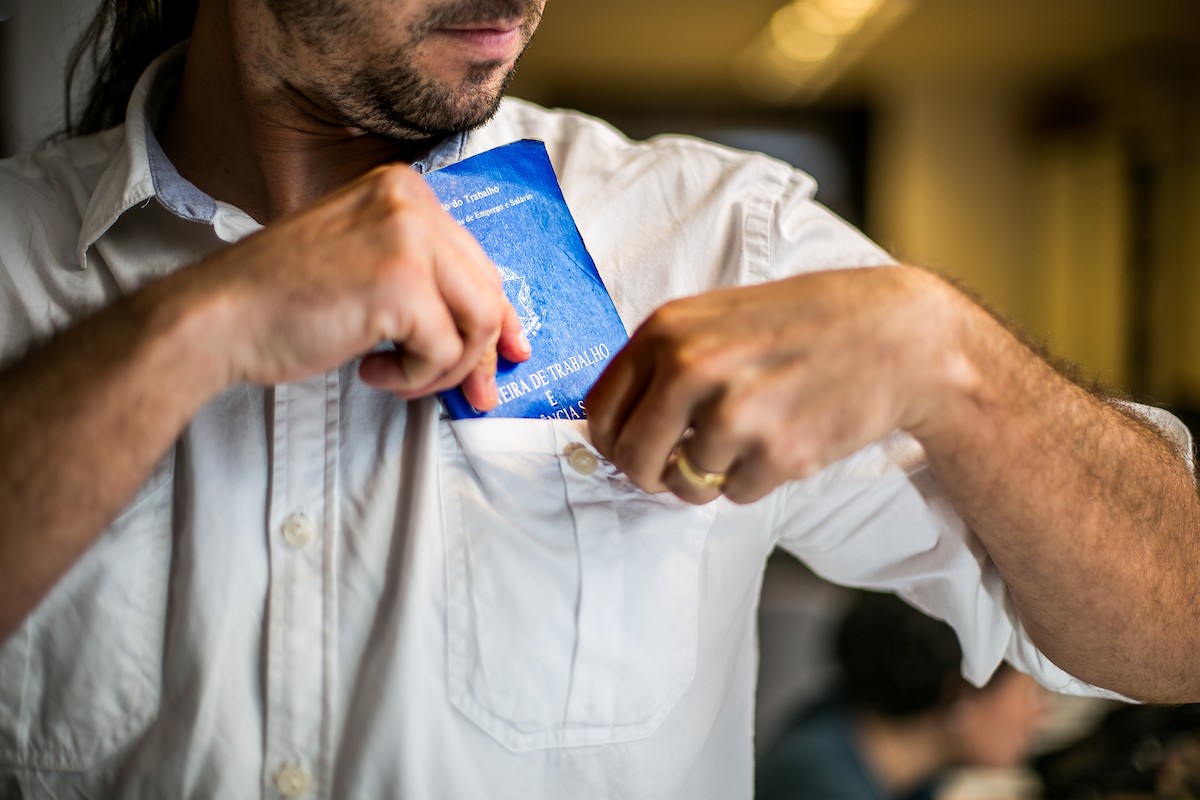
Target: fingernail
523, 343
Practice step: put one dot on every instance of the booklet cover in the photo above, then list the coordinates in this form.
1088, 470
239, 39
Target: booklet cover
510, 200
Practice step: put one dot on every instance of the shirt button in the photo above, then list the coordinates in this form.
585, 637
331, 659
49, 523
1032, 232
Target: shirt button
298, 531
293, 781
581, 459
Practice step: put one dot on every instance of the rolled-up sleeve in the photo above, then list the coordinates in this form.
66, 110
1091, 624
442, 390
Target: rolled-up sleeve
879, 520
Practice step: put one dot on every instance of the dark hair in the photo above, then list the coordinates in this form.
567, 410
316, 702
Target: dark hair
896, 661
121, 41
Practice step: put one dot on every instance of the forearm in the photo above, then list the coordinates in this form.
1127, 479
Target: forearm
83, 420
1090, 516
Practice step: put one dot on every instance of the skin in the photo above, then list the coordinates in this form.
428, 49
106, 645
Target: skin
1072, 498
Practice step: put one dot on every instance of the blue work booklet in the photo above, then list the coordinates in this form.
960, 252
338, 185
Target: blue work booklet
510, 200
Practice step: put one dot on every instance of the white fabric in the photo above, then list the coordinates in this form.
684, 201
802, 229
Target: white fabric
326, 591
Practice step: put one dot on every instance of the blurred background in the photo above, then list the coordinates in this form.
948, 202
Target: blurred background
1045, 152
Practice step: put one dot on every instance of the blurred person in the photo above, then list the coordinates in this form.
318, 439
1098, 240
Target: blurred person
901, 716
244, 552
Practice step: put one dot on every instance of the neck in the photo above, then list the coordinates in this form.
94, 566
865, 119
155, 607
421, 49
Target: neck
245, 138
902, 754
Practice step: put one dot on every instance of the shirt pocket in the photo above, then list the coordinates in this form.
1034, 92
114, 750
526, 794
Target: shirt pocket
572, 594
82, 676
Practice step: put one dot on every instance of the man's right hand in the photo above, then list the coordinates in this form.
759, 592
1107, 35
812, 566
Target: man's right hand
84, 417
378, 260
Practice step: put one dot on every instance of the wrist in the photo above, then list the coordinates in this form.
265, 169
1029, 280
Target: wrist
188, 327
959, 363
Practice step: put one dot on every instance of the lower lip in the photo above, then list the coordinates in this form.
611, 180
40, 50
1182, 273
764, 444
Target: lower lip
488, 44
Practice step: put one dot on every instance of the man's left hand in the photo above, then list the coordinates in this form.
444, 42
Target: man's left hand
759, 385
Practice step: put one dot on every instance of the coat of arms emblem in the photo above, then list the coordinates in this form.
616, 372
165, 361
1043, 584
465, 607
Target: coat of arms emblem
522, 300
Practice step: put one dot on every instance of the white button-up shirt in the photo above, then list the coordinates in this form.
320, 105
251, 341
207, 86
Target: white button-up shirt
323, 591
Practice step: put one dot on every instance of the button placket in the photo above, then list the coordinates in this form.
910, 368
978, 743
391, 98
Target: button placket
300, 602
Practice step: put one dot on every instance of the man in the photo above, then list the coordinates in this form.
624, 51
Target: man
233, 565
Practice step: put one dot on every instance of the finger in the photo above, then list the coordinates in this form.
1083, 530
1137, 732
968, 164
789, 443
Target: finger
468, 288
689, 480
430, 348
479, 387
513, 344
717, 437
766, 432
751, 478
712, 447
487, 321
428, 341
646, 438
381, 370
612, 397
394, 372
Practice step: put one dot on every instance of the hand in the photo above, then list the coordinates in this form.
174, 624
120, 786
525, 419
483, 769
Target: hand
378, 260
771, 383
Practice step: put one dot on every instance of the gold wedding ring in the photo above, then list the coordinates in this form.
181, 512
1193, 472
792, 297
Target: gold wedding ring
696, 477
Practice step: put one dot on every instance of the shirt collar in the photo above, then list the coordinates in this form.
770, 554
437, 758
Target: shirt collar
127, 182
450, 151
140, 170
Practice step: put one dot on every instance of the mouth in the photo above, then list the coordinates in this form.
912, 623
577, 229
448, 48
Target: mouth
486, 41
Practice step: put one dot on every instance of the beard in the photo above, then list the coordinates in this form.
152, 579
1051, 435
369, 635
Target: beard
392, 97
402, 103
